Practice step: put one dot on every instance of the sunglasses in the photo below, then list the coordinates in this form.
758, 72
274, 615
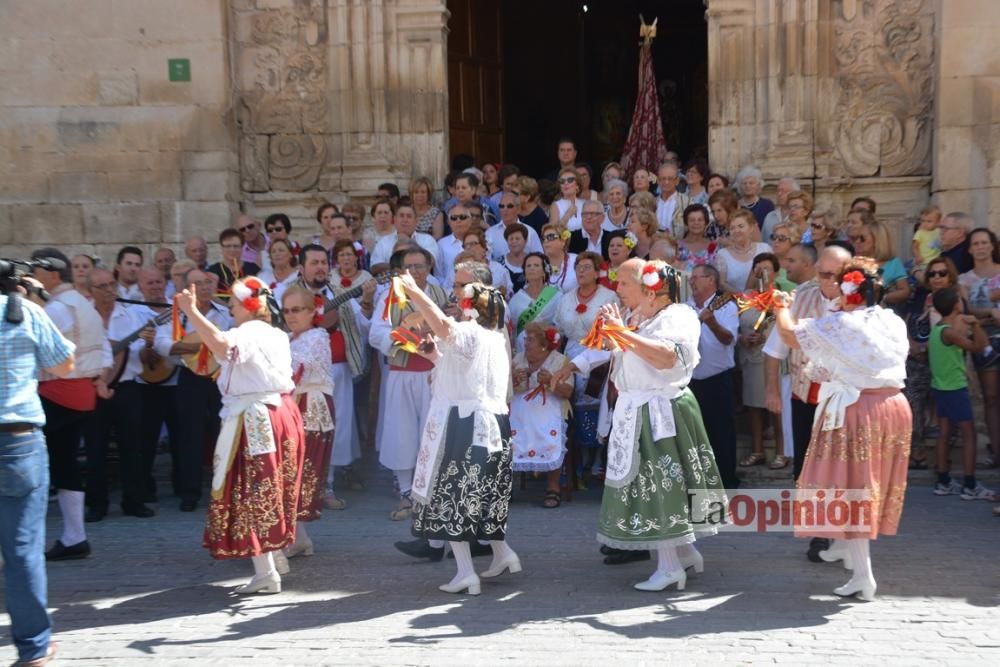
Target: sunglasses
937, 274
780, 237
295, 310
462, 216
856, 239
272, 230
508, 205
550, 237
568, 179
817, 225
247, 228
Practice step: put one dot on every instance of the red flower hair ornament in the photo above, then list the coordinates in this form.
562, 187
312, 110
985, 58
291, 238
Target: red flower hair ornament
850, 285
651, 278
553, 337
248, 292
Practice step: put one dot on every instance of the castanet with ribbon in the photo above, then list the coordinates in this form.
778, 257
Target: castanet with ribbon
397, 296
405, 340
537, 391
606, 336
762, 302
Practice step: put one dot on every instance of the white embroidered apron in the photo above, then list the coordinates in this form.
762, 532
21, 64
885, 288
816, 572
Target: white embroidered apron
247, 413
623, 441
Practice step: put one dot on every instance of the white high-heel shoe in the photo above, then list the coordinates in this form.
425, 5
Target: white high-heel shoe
695, 560
281, 563
468, 583
833, 555
299, 549
862, 587
511, 564
660, 580
264, 583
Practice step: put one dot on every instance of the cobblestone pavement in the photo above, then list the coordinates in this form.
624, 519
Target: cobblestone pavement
151, 596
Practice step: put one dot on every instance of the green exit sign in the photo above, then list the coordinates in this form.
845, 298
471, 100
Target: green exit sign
179, 69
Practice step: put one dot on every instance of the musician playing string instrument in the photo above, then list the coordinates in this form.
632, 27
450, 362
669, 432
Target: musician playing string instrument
198, 399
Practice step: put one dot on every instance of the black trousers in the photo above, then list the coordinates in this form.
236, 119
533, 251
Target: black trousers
159, 407
63, 428
198, 404
802, 423
122, 415
716, 398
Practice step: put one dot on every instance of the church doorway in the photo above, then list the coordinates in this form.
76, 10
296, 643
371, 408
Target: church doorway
523, 73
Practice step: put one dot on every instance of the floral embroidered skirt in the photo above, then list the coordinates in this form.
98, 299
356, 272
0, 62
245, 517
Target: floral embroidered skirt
653, 509
871, 452
316, 461
538, 433
471, 496
255, 511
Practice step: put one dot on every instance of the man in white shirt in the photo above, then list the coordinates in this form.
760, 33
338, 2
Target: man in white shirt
670, 204
712, 380
127, 267
460, 220
405, 222
498, 248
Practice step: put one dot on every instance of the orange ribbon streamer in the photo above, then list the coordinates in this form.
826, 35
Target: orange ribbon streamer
176, 328
405, 339
762, 302
397, 296
602, 334
539, 390
202, 366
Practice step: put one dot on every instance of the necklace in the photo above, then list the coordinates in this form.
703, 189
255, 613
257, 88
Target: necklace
582, 301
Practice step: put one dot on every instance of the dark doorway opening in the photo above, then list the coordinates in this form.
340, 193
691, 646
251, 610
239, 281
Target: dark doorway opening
570, 72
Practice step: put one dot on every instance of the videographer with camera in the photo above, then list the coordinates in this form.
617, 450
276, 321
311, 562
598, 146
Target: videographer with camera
70, 401
29, 343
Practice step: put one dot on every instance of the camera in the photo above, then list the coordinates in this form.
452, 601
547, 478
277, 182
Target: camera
12, 277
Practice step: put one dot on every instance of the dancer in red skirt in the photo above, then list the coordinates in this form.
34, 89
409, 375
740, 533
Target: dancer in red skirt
861, 435
311, 360
257, 466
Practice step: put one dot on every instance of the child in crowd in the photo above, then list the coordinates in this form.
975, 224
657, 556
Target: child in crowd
927, 238
956, 334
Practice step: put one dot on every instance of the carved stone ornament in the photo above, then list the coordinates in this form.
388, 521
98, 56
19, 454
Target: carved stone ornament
884, 55
296, 161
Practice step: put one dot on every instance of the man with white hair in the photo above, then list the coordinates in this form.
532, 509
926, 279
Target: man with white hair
786, 186
670, 203
955, 230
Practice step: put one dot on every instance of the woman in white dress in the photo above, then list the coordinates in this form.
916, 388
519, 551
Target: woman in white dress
567, 211
462, 483
538, 412
284, 269
735, 261
537, 302
555, 244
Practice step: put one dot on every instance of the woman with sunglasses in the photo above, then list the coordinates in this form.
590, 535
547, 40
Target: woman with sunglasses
474, 245
873, 239
311, 360
555, 244
981, 286
920, 317
784, 236
568, 209
538, 301
695, 248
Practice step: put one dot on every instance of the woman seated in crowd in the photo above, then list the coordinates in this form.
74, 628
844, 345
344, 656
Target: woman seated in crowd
735, 261
784, 236
612, 172
347, 272
644, 227
981, 286
722, 204
696, 174
530, 212
474, 245
383, 212
430, 219
715, 183
490, 182
568, 209
642, 181
538, 420
750, 183
538, 301
920, 318
822, 228
355, 215
284, 267
555, 244
799, 206
873, 239
619, 250
641, 200
516, 237
616, 212
584, 178
324, 216
696, 248
751, 354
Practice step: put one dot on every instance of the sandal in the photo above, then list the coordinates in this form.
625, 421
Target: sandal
780, 461
755, 459
551, 500
402, 511
332, 502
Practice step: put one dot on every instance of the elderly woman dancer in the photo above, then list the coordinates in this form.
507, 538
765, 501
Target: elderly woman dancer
658, 451
311, 361
462, 482
257, 466
861, 436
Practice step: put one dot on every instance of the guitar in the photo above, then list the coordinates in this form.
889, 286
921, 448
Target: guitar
119, 349
354, 292
191, 362
720, 299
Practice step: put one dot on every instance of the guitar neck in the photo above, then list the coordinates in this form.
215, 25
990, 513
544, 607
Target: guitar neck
122, 345
341, 299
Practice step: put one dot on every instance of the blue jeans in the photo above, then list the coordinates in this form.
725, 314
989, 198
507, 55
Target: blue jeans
24, 486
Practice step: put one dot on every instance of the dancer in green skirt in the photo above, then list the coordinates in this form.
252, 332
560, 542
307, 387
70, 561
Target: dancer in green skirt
658, 451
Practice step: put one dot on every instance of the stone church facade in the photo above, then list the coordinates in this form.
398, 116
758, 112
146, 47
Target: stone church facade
293, 102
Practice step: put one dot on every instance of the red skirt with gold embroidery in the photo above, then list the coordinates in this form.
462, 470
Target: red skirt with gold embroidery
319, 445
870, 453
256, 511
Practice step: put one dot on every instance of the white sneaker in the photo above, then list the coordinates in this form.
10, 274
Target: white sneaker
978, 493
952, 488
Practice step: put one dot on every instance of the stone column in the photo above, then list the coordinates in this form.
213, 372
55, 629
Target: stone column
336, 97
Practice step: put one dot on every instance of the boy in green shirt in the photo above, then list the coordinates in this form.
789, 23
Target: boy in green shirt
956, 334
